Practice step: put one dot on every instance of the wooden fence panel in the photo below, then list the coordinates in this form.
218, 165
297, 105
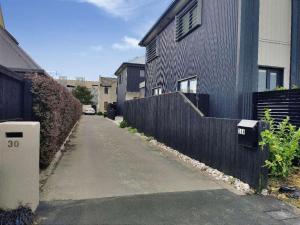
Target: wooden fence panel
282, 104
172, 119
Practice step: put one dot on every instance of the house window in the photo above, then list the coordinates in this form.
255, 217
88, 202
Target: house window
106, 90
188, 85
188, 19
269, 78
157, 91
120, 79
142, 73
151, 51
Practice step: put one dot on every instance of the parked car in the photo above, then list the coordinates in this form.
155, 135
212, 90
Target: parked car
89, 111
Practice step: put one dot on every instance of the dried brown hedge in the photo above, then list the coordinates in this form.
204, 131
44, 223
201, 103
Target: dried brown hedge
57, 111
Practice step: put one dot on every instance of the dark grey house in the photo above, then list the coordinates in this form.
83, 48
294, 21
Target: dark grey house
227, 49
130, 75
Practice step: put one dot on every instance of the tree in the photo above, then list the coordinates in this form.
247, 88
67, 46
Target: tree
83, 94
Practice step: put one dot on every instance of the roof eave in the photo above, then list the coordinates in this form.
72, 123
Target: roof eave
163, 21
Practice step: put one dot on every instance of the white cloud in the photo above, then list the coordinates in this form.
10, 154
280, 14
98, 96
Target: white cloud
96, 48
122, 8
127, 43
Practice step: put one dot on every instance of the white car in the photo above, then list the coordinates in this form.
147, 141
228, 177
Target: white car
89, 111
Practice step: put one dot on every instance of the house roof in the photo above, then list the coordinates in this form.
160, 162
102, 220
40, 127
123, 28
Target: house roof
107, 81
12, 55
136, 62
167, 17
2, 25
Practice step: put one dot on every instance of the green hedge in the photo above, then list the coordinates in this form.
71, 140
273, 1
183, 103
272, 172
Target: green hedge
57, 111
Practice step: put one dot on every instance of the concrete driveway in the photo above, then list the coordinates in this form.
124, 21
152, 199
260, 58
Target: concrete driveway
110, 176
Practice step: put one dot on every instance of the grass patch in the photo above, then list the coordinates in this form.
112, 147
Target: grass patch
132, 130
100, 113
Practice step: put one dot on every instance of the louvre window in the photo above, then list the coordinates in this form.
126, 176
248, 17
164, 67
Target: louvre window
151, 51
188, 19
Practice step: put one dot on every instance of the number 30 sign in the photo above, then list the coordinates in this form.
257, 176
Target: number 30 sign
13, 144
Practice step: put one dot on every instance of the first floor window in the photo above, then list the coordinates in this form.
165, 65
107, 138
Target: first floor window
106, 90
269, 78
157, 91
188, 85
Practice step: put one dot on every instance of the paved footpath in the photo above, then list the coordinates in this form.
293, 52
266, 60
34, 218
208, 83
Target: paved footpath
110, 176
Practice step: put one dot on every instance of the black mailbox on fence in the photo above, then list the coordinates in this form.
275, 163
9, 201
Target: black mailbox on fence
248, 133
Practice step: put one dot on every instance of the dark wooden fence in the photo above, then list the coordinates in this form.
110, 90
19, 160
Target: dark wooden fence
282, 104
15, 96
172, 119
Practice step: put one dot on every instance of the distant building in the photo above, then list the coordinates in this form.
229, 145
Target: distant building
130, 75
107, 93
80, 81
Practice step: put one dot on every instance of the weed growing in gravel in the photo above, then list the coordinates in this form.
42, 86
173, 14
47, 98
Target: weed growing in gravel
132, 130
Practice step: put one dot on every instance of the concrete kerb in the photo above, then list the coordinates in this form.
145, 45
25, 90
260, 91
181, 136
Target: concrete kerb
44, 175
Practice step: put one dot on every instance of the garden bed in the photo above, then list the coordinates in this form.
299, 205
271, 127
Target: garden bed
287, 190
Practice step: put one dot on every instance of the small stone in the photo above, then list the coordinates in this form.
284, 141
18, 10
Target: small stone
264, 192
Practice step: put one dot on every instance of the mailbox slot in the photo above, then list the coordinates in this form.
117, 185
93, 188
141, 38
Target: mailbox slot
248, 134
14, 135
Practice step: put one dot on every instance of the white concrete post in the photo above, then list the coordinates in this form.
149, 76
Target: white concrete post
19, 165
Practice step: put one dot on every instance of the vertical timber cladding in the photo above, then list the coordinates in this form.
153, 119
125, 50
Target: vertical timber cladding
15, 96
210, 140
222, 53
295, 59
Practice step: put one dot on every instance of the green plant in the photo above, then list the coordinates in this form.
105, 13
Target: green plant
132, 130
283, 142
124, 124
280, 89
105, 114
100, 113
83, 94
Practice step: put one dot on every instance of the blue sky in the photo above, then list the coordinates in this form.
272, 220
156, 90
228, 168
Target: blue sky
81, 37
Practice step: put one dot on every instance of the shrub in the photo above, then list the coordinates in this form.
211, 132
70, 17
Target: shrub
283, 142
105, 114
124, 124
57, 111
100, 114
20, 216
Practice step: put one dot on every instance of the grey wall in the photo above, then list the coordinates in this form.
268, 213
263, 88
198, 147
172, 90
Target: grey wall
210, 52
247, 70
134, 79
130, 83
295, 63
122, 88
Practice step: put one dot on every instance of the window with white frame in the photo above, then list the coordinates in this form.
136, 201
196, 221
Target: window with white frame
188, 19
188, 85
157, 91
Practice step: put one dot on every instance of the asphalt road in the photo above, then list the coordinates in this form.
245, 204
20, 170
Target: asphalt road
110, 176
